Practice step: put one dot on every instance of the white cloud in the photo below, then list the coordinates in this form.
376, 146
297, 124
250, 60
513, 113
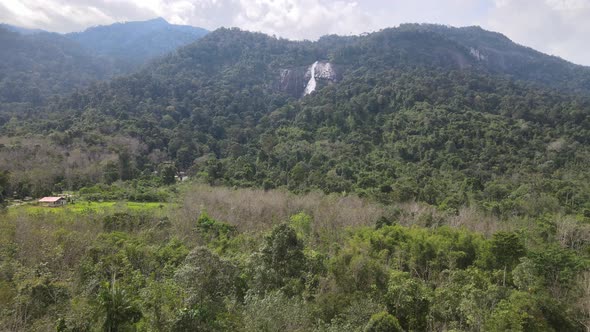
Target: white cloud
23, 13
303, 18
557, 27
568, 4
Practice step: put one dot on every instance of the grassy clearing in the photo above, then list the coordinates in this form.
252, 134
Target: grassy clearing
86, 207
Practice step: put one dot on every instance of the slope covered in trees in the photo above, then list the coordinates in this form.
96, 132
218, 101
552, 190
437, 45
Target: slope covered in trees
437, 182
134, 43
36, 64
427, 127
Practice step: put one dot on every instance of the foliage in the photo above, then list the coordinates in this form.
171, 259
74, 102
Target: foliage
409, 300
441, 191
119, 310
428, 128
280, 263
127, 269
382, 322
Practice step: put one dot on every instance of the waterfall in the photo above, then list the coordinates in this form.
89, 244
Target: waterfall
312, 83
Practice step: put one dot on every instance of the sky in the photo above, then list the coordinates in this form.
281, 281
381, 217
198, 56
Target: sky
556, 27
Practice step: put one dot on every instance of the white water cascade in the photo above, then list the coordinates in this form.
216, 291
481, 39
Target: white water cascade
312, 83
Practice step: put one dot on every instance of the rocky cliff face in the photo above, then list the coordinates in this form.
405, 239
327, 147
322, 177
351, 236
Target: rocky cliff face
299, 81
292, 81
325, 71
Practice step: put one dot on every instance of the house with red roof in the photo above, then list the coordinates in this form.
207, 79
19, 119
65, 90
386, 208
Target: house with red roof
52, 201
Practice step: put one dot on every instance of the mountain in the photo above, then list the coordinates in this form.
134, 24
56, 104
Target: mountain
408, 46
136, 42
447, 116
497, 54
429, 46
35, 66
24, 31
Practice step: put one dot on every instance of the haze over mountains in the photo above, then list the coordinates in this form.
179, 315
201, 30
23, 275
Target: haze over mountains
136, 42
36, 64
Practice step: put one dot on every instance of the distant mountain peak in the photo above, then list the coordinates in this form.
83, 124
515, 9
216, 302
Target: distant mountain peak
137, 40
34, 60
158, 20
21, 30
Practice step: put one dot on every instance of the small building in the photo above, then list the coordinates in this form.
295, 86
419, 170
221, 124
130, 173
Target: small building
52, 201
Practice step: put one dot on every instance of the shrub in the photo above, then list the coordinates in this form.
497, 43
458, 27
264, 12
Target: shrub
383, 322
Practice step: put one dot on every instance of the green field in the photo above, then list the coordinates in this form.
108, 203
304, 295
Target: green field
87, 207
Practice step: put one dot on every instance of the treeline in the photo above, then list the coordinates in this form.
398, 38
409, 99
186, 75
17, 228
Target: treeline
170, 270
105, 169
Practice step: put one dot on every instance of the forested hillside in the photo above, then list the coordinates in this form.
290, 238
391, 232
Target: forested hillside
419, 178
429, 128
35, 64
133, 43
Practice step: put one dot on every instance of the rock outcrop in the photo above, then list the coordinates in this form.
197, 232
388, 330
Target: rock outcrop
299, 81
325, 71
477, 54
292, 81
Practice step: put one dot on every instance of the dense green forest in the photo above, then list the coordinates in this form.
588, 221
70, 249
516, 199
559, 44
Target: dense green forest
427, 129
436, 180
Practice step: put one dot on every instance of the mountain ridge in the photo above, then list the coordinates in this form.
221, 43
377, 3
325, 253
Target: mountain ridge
136, 39
432, 46
38, 64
